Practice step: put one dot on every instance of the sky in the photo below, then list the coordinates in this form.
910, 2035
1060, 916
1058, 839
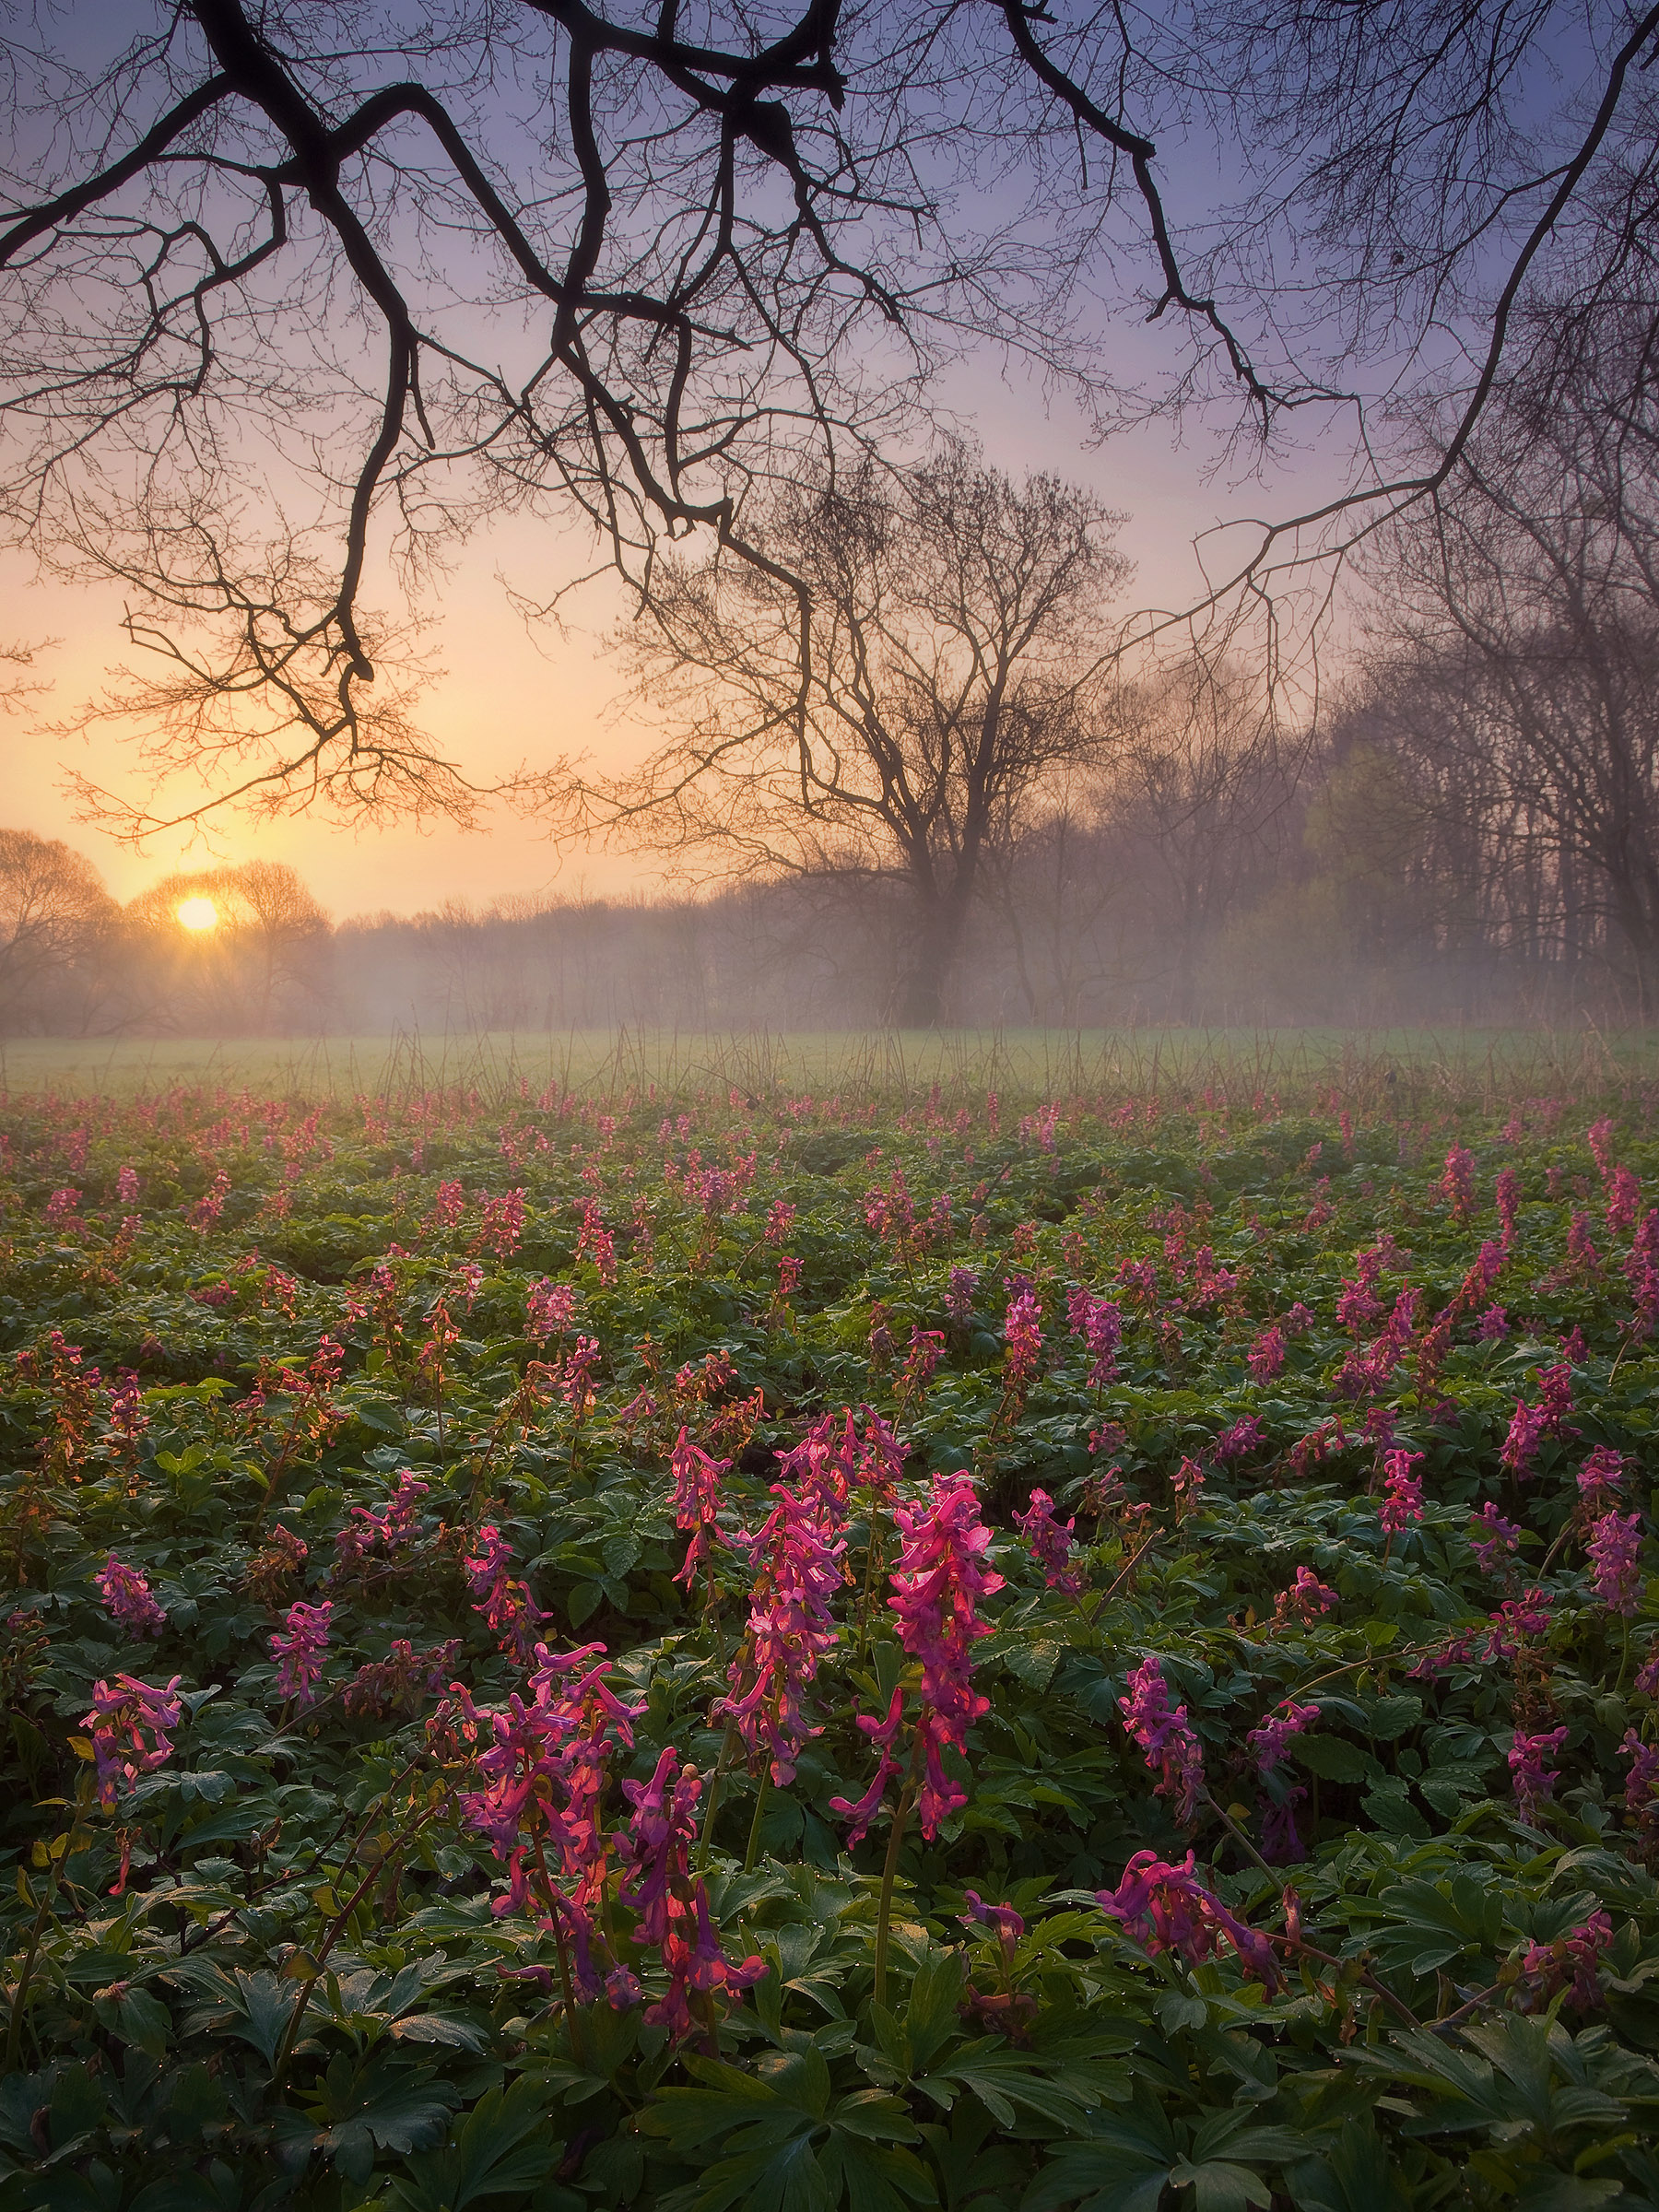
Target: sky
506, 695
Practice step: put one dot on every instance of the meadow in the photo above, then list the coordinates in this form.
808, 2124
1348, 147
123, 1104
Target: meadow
1015, 1624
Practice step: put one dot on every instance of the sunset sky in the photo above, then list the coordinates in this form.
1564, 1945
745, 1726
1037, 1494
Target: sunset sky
506, 696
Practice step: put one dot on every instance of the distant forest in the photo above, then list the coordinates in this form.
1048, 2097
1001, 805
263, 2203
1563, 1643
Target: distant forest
1216, 875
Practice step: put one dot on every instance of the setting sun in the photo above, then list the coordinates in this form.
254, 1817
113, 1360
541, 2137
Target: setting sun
198, 914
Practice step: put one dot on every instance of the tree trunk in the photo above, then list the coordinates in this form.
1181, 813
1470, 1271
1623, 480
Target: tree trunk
927, 980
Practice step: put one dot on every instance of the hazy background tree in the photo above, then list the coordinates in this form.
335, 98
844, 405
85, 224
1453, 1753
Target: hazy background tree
57, 925
954, 625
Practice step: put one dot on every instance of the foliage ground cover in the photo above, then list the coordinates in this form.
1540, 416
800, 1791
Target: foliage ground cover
790, 1650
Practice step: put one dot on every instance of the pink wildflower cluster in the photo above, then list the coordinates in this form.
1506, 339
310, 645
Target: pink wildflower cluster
1531, 1424
1246, 1435
1166, 1908
1307, 1599
1642, 1783
1615, 1549
1050, 1543
384, 1688
501, 1225
1023, 1338
958, 1294
510, 1613
1641, 1272
672, 1907
123, 1715
549, 1308
127, 1599
1534, 1780
797, 1571
300, 1654
1266, 1358
1569, 1964
1166, 1739
1601, 1479
1457, 1182
596, 1242
1492, 1538
696, 1502
389, 1530
449, 1206
1100, 1323
1269, 1744
1518, 1622
939, 1583
1403, 1493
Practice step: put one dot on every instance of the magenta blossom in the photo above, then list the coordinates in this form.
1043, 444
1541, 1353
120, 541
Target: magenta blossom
127, 1599
791, 1629
958, 1294
1492, 1538
697, 1501
1601, 1479
1266, 1358
1245, 1436
1166, 1739
1166, 1908
510, 1613
121, 1717
1050, 1543
1568, 1963
300, 1654
1534, 1780
1403, 1502
1307, 1599
939, 1583
549, 1308
1615, 1548
1642, 1784
1269, 1744
1023, 1338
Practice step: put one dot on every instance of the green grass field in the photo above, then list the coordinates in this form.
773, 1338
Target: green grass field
1470, 1066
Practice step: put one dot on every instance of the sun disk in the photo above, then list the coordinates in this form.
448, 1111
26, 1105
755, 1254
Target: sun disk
198, 914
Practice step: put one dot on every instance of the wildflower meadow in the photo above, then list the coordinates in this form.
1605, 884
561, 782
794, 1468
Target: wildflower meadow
697, 1649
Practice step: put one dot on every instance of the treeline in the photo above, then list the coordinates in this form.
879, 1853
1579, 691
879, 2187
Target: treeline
74, 962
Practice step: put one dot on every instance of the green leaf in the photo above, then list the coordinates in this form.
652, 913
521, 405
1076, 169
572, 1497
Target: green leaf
1332, 1758
489, 2154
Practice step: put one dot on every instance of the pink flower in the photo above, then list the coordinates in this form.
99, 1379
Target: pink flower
791, 1629
127, 1596
126, 1186
1526, 1428
789, 1275
1266, 1358
1534, 1780
1050, 1543
1101, 1324
1615, 1549
449, 1206
1307, 1599
121, 1718
549, 1308
1493, 1325
696, 1502
1496, 1538
503, 1224
779, 1221
61, 1208
958, 1294
1457, 1182
1167, 1908
939, 1583
1244, 1437
1403, 1503
1023, 1338
1268, 1743
1624, 1200
366, 1531
1568, 1963
1508, 1196
1601, 1479
300, 1654
1642, 1784
672, 1908
1003, 1923
1516, 1621
510, 1613
1162, 1732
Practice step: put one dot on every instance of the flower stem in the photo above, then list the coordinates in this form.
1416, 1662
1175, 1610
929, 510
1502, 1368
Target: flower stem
884, 1913
754, 1834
